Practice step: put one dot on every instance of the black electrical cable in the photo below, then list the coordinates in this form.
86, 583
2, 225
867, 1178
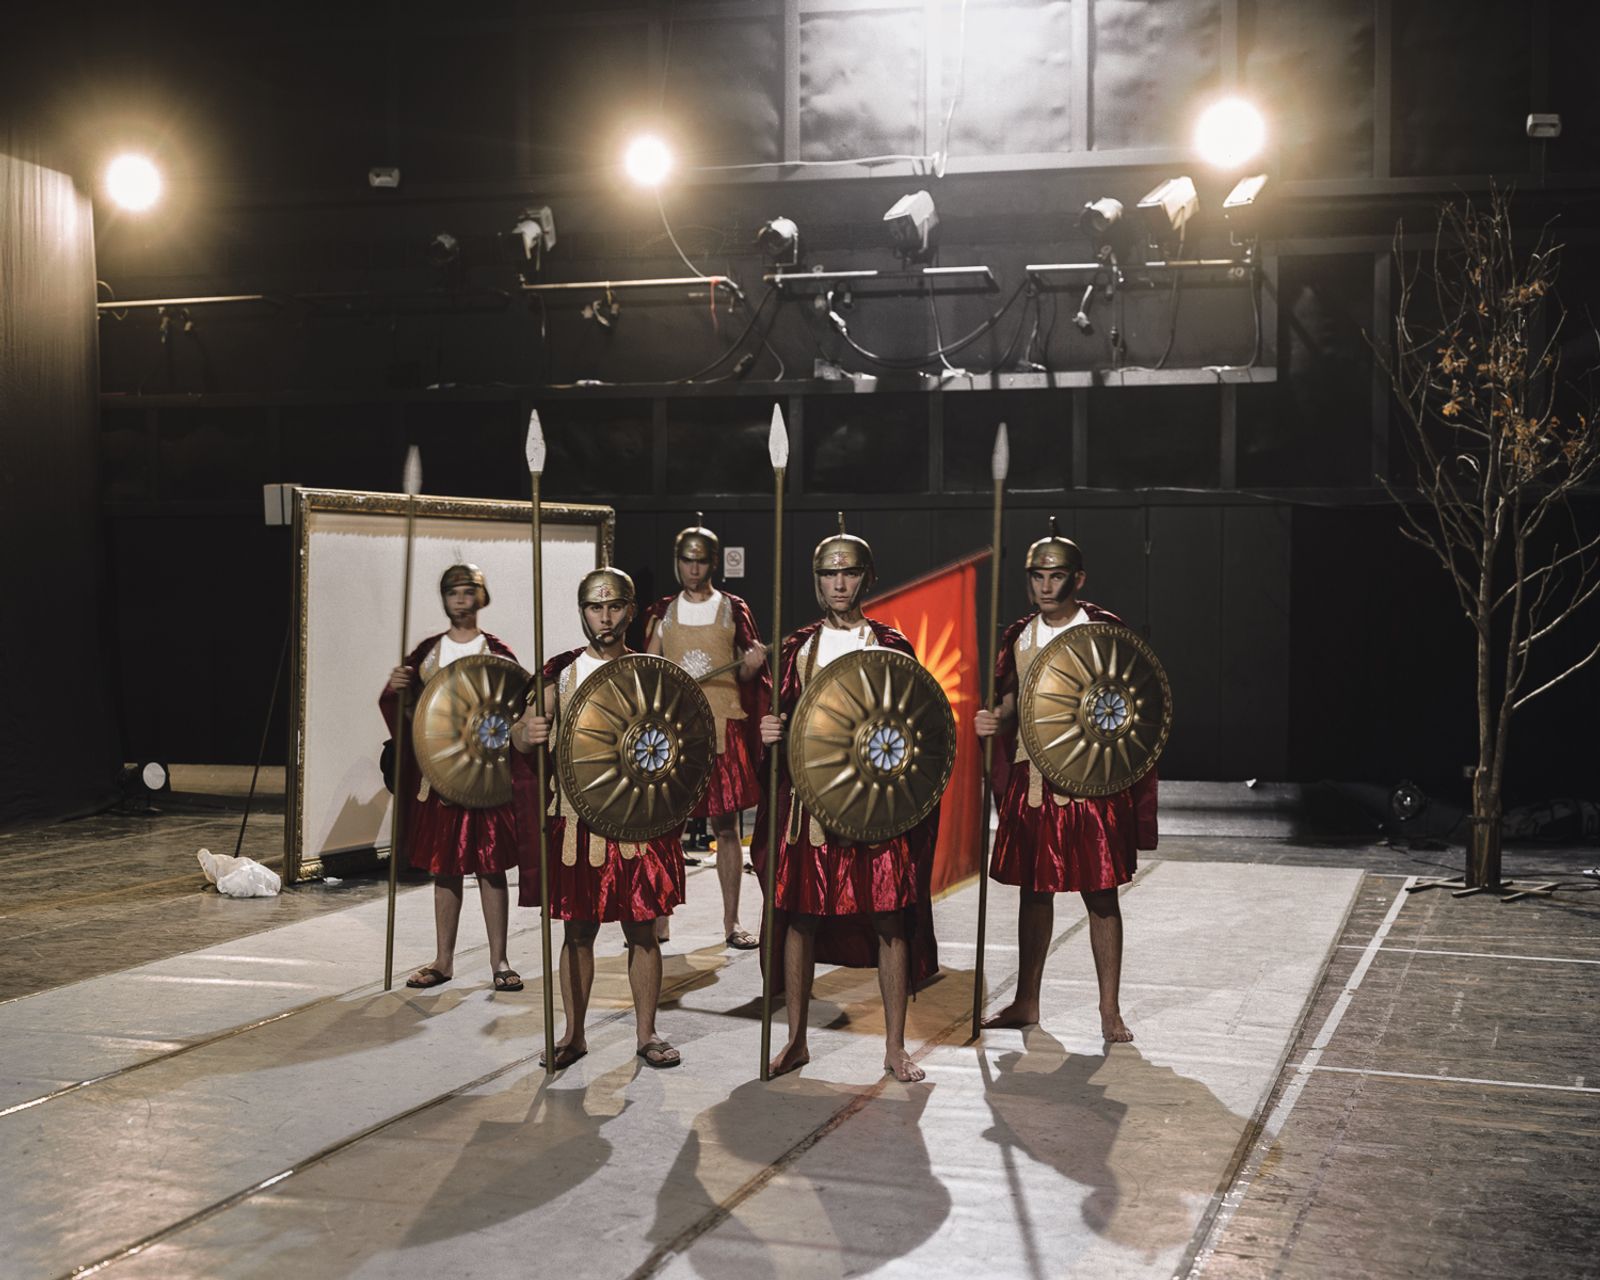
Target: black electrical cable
915, 362
738, 342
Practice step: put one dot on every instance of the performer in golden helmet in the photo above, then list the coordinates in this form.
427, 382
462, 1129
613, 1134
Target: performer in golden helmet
1048, 843
444, 839
706, 630
594, 880
860, 905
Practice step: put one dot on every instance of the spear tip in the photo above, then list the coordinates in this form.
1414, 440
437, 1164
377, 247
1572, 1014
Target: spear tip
535, 444
1000, 462
778, 440
411, 481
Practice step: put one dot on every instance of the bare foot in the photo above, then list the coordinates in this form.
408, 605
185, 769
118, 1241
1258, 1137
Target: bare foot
1013, 1015
792, 1058
899, 1062
1114, 1029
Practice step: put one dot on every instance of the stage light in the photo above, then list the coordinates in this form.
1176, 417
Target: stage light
913, 225
444, 250
133, 182
1229, 133
530, 236
780, 238
1242, 208
1166, 210
647, 160
1101, 220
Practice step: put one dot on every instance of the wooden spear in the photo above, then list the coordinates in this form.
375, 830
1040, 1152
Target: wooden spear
778, 449
535, 451
1000, 463
411, 484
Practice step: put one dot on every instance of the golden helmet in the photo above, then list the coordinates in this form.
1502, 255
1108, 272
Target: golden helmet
465, 575
1054, 552
696, 543
844, 551
601, 586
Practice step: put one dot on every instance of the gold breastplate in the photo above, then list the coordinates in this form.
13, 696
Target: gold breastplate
704, 647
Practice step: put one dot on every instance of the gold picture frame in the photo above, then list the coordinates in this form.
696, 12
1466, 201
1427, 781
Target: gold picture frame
448, 529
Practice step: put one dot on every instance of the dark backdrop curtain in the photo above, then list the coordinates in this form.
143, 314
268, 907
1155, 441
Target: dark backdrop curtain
58, 736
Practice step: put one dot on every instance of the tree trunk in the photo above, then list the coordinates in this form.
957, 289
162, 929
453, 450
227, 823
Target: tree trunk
1483, 842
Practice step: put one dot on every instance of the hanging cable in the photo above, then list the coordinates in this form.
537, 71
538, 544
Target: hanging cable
738, 342
914, 362
942, 156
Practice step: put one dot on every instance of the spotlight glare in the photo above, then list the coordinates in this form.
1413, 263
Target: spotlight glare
647, 160
1230, 133
133, 182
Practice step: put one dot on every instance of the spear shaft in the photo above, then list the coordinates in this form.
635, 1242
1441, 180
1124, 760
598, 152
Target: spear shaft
779, 448
1001, 464
535, 477
401, 730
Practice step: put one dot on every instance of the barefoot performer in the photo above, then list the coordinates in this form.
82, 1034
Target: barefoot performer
1048, 842
837, 900
594, 880
448, 840
712, 634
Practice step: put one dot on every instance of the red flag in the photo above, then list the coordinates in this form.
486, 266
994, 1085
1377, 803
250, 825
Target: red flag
939, 615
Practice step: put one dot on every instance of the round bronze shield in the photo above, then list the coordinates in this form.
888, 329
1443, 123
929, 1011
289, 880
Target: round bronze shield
871, 745
635, 747
461, 730
1095, 709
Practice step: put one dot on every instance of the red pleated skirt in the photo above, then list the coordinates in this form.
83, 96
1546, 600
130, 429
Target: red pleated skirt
838, 878
1078, 847
447, 840
634, 889
735, 783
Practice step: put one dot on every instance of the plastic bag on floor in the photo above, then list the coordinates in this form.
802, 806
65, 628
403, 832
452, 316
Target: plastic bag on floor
239, 877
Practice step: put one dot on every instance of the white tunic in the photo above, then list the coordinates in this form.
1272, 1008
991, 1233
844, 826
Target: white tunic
450, 650
699, 613
833, 643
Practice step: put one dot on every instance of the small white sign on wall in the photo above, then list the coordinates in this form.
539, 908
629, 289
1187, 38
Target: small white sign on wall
733, 562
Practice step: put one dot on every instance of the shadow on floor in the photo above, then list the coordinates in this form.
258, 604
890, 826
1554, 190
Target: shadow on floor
1141, 1140
738, 1218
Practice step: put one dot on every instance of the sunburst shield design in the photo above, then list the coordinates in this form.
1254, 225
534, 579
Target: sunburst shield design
1095, 710
635, 747
871, 745
461, 730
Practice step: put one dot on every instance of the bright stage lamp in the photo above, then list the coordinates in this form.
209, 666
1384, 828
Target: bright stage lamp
133, 182
647, 160
1229, 133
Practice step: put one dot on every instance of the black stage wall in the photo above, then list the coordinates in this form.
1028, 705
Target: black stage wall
1235, 512
58, 743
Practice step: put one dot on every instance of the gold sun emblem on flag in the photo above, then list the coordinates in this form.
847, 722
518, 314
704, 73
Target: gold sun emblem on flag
941, 657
